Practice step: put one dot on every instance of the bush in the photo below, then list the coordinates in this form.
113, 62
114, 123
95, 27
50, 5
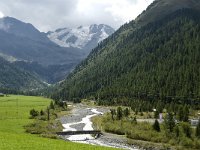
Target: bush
42, 113
126, 112
34, 113
156, 126
186, 129
51, 106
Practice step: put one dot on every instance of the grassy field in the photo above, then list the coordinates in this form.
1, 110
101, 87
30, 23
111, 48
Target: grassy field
14, 115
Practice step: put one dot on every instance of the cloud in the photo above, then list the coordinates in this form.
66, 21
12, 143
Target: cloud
51, 14
1, 15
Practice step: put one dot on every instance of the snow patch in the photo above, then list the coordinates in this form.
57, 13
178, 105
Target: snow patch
83, 35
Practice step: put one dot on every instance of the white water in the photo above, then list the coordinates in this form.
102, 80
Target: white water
87, 138
88, 126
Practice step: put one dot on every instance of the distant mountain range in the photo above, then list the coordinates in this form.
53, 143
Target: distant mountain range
24, 42
35, 52
83, 37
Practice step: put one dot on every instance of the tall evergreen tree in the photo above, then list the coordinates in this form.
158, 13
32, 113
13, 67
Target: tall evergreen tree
170, 122
156, 126
119, 113
197, 133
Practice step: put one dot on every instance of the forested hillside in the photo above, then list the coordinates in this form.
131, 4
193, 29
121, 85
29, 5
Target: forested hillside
15, 78
159, 60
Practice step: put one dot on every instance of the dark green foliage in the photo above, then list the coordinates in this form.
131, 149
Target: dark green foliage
113, 112
42, 113
14, 79
119, 113
157, 62
135, 119
51, 105
34, 113
186, 129
183, 113
197, 133
156, 114
48, 114
61, 103
126, 112
181, 137
180, 113
186, 113
156, 126
170, 122
177, 131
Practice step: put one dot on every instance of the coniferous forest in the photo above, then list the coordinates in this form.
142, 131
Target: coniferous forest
155, 63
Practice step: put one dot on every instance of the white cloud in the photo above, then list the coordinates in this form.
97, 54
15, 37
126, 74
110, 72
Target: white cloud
51, 14
1, 15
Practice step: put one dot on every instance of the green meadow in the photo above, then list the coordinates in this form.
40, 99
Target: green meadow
14, 115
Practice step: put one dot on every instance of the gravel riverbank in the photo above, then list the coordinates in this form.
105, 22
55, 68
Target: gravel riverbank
80, 120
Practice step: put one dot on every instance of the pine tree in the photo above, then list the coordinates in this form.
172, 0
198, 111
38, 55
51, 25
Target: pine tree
126, 112
156, 126
170, 122
119, 113
177, 131
180, 113
41, 113
185, 114
156, 114
198, 130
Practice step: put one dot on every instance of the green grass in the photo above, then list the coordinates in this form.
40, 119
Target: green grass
14, 115
146, 135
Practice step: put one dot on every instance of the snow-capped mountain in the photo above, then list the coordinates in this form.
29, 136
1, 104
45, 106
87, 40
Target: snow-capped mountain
83, 37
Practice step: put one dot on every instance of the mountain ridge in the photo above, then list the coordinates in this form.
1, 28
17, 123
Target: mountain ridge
124, 65
13, 77
161, 8
82, 37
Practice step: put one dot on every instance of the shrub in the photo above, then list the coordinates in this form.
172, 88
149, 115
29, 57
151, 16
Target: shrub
186, 129
126, 112
51, 106
34, 113
42, 113
156, 126
113, 112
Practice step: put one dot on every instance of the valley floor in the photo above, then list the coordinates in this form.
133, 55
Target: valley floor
14, 115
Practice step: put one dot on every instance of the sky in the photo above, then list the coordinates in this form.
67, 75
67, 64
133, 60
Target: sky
49, 15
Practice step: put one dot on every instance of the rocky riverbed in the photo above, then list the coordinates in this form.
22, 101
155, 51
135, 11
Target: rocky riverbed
80, 119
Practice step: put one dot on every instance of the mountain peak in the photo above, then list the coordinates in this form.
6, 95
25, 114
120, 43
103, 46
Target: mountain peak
82, 37
18, 28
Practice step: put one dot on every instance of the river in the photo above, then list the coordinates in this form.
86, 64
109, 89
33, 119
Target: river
80, 119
